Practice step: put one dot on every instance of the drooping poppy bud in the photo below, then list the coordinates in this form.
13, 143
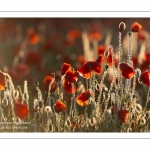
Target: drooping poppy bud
122, 26
47, 81
65, 67
83, 99
21, 110
59, 106
126, 70
71, 76
123, 114
2, 81
136, 27
145, 77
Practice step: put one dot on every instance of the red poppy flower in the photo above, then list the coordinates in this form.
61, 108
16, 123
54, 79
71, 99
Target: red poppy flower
68, 87
72, 34
83, 99
2, 81
136, 27
87, 69
71, 76
33, 36
123, 114
65, 67
47, 46
126, 70
145, 77
22, 69
21, 110
68, 42
101, 49
59, 106
14, 75
95, 36
33, 58
122, 26
47, 81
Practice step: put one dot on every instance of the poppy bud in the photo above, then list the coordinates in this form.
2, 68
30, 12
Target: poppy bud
122, 26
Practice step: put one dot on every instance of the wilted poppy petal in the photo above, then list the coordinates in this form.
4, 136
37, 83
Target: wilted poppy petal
126, 70
21, 110
123, 115
136, 27
71, 76
83, 99
68, 87
2, 81
145, 77
47, 81
65, 67
59, 106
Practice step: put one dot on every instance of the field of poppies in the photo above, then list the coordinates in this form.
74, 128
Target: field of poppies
74, 75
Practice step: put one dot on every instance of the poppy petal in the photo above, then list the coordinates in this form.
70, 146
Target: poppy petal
59, 106
136, 27
2, 81
97, 68
83, 99
123, 114
126, 70
47, 81
65, 67
145, 77
71, 76
100, 59
86, 70
68, 87
21, 110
